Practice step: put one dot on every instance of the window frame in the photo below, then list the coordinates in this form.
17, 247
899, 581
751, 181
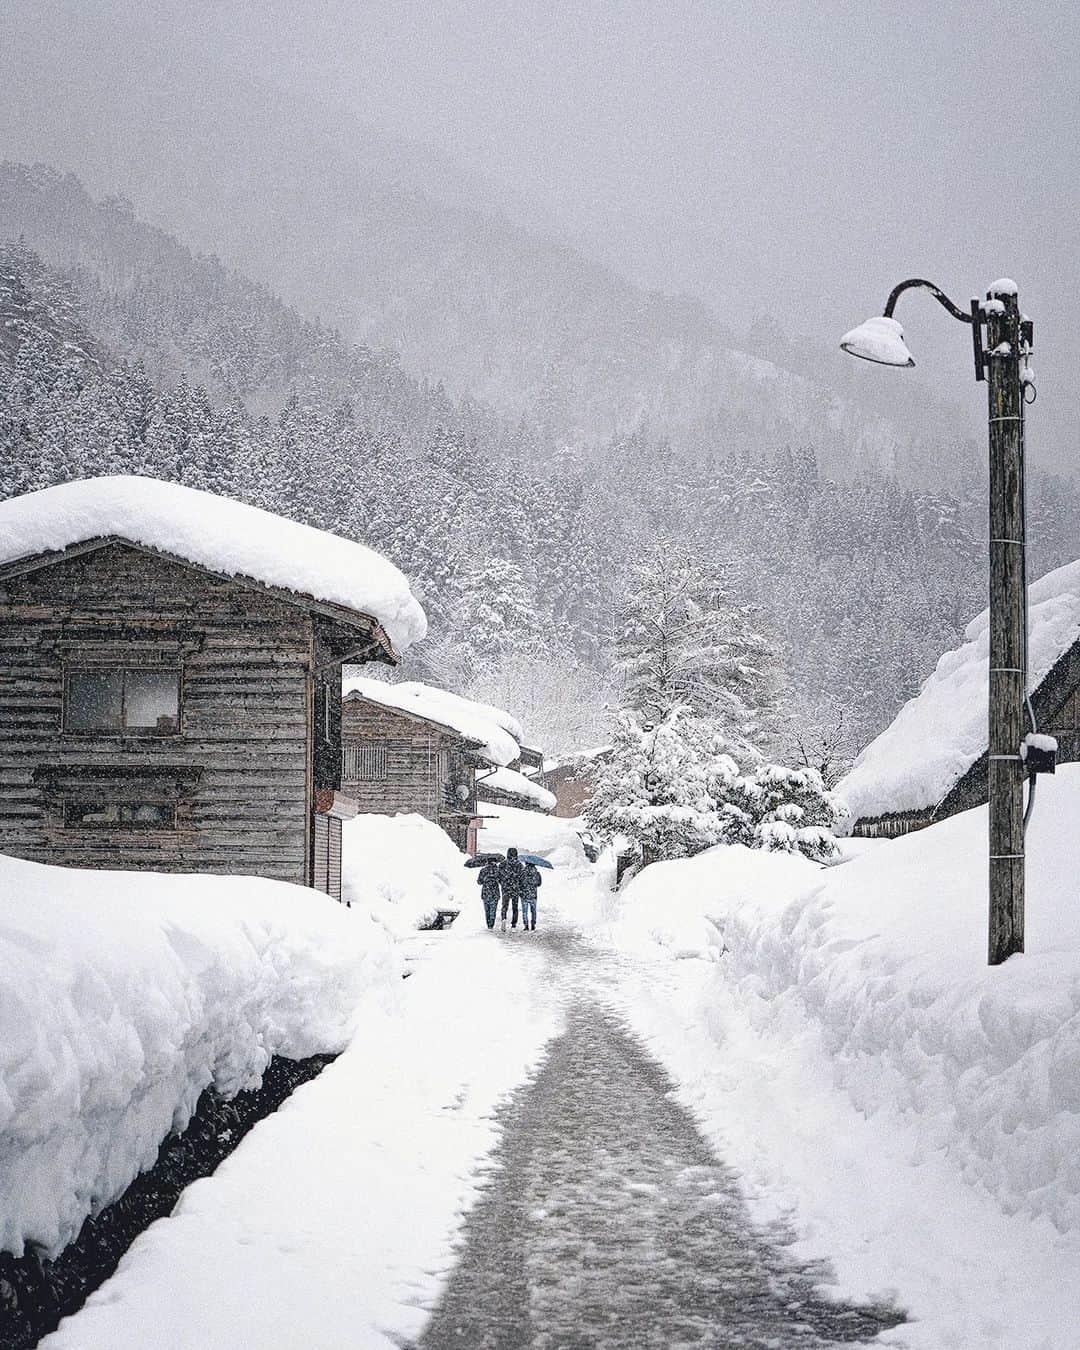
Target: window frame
142, 826
122, 668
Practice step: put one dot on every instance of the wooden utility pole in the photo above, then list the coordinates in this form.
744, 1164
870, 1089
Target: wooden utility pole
1008, 589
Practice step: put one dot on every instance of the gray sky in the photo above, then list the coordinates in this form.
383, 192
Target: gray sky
793, 158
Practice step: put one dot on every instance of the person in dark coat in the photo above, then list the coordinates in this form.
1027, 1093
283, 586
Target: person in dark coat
488, 881
511, 879
531, 883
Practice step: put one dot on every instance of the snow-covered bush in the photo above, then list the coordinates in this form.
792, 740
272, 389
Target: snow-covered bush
792, 812
675, 789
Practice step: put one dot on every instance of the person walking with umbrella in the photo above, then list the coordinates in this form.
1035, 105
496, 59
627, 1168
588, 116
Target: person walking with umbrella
488, 881
530, 884
511, 879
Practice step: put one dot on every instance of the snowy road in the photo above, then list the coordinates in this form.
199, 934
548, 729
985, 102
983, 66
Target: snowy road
606, 1220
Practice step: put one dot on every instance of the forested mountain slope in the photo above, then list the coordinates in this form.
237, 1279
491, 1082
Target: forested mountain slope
518, 321
148, 359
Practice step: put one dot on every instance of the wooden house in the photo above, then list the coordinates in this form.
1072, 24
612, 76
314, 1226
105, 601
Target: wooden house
511, 787
570, 779
413, 748
932, 761
170, 664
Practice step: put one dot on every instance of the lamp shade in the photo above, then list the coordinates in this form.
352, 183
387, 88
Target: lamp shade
878, 339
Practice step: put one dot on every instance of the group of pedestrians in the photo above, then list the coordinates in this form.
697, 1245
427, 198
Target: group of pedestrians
515, 883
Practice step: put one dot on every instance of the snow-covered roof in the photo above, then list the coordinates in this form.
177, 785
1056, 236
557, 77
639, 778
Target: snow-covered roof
938, 735
515, 784
496, 734
220, 534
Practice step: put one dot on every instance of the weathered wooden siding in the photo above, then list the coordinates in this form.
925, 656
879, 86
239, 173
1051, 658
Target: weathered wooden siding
239, 768
424, 767
412, 761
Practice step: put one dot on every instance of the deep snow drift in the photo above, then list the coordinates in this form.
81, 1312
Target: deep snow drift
223, 535
333, 1224
401, 870
123, 995
840, 1036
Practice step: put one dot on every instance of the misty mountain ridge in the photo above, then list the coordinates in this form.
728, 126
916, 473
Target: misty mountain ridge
496, 314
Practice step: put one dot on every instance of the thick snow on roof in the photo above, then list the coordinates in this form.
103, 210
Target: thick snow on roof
497, 734
517, 785
218, 533
941, 733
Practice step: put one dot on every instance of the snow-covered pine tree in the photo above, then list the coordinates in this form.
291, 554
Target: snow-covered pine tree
659, 786
683, 641
674, 790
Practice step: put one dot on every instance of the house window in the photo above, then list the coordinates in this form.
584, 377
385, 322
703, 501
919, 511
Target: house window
363, 763
144, 701
127, 815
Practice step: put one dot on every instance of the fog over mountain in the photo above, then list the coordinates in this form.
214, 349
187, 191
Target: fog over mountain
394, 166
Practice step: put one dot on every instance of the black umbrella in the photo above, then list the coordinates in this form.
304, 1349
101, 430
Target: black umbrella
482, 858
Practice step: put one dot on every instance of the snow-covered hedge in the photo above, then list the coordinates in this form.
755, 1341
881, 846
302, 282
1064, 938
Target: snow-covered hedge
123, 995
886, 956
401, 870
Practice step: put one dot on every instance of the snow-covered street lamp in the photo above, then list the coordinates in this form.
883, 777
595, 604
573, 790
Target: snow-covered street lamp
1003, 362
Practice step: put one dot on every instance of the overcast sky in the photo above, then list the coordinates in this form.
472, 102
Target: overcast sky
794, 157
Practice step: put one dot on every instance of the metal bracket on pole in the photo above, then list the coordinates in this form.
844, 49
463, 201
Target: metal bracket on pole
976, 339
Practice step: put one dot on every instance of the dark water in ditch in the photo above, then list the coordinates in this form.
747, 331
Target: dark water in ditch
607, 1221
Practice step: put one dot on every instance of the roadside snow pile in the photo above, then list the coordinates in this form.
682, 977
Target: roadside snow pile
216, 532
938, 735
886, 956
495, 733
401, 870
123, 995
685, 906
516, 784
549, 837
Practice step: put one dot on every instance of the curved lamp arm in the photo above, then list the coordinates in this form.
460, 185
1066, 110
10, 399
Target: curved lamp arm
974, 316
936, 291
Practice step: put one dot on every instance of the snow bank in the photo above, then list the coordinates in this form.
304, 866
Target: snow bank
887, 954
224, 535
495, 732
550, 837
401, 870
123, 995
939, 734
334, 1223
517, 785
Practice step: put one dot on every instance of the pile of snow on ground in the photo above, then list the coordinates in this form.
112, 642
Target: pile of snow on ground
496, 733
886, 955
123, 995
401, 870
938, 735
216, 532
551, 837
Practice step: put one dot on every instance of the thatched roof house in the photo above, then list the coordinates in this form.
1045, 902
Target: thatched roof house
931, 762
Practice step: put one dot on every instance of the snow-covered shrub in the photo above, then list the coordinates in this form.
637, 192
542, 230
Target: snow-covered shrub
793, 812
675, 789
